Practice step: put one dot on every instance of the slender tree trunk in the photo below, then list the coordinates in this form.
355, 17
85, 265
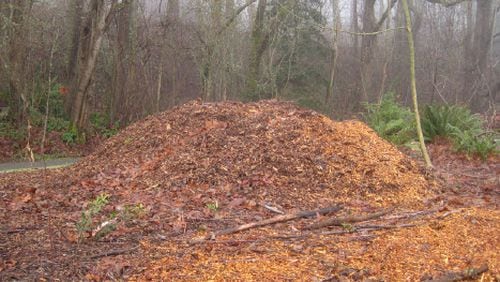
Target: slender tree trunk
89, 46
123, 62
411, 46
480, 94
20, 15
173, 36
334, 52
76, 9
259, 45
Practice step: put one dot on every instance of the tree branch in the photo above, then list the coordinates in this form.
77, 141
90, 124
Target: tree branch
446, 3
348, 219
233, 17
273, 220
385, 14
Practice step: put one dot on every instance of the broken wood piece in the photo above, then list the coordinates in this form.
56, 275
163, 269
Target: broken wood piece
273, 209
462, 275
115, 252
337, 221
273, 220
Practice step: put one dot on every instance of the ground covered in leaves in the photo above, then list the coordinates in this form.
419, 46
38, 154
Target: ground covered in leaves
176, 179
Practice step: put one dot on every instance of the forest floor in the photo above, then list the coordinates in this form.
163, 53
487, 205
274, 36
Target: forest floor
178, 182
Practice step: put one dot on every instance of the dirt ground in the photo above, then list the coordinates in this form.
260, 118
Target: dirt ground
176, 179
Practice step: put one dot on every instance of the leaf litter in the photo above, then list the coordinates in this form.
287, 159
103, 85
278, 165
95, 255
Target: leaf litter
204, 167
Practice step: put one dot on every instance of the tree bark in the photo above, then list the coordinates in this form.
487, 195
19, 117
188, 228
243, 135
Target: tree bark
259, 45
411, 46
20, 15
481, 46
334, 52
88, 50
124, 58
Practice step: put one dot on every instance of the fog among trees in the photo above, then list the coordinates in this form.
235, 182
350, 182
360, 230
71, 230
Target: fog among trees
132, 58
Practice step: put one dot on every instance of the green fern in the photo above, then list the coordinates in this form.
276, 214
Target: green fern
391, 121
444, 121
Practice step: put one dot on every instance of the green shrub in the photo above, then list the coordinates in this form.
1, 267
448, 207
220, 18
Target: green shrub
444, 121
70, 136
390, 120
467, 141
57, 124
102, 125
85, 224
459, 125
10, 131
56, 101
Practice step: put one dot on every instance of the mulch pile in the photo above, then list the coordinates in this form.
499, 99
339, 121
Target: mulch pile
200, 168
267, 152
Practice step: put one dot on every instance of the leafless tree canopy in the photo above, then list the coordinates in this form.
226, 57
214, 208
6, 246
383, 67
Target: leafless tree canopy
131, 58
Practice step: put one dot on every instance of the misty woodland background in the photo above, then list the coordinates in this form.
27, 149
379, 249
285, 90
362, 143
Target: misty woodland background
118, 61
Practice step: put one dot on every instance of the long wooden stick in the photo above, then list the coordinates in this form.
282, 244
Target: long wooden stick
459, 276
348, 219
273, 220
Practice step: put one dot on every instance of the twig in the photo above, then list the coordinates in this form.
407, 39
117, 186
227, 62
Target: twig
459, 276
414, 214
273, 209
340, 232
448, 213
348, 219
273, 220
114, 252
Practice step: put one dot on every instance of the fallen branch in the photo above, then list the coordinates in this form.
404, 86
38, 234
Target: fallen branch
115, 252
338, 221
273, 220
462, 275
412, 215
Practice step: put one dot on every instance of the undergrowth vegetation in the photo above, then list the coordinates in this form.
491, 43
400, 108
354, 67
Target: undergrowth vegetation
391, 121
465, 130
48, 107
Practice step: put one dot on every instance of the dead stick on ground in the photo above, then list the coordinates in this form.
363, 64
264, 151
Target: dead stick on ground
348, 219
459, 276
273, 220
114, 252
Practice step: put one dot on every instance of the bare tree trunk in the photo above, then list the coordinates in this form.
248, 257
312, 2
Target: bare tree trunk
76, 10
367, 50
481, 43
334, 52
411, 46
124, 59
173, 22
355, 28
20, 15
259, 45
89, 46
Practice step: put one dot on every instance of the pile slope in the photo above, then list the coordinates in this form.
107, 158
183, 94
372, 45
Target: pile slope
272, 152
205, 167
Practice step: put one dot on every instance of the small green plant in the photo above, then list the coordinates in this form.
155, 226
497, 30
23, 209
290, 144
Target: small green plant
391, 121
467, 141
348, 227
57, 124
102, 125
213, 206
130, 212
85, 224
70, 136
8, 130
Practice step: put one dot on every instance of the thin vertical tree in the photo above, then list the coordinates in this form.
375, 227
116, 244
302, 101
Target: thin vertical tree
411, 46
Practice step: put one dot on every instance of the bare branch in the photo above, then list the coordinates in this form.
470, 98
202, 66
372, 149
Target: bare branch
446, 3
